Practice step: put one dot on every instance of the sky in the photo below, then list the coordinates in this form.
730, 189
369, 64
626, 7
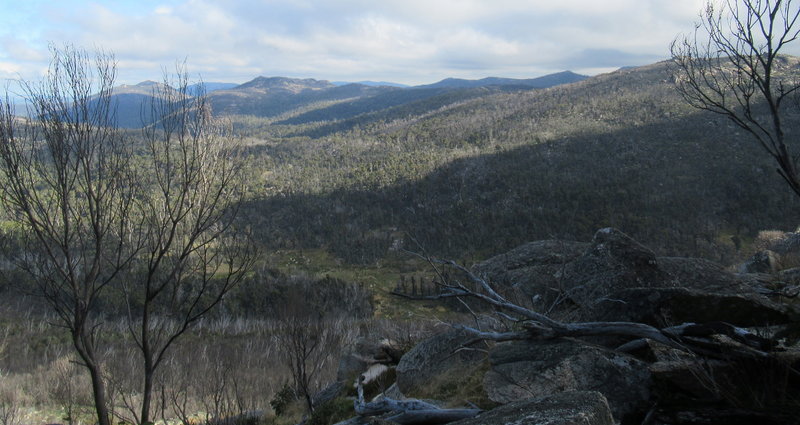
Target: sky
403, 41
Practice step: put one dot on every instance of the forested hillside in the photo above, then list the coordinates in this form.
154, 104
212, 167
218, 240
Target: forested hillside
340, 180
481, 174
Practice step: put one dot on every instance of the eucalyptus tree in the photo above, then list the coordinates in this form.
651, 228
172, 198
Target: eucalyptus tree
68, 180
734, 64
104, 214
192, 253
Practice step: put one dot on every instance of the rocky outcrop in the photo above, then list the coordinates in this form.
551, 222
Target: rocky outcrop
576, 271
701, 274
582, 275
566, 408
662, 340
765, 261
524, 369
442, 357
614, 261
534, 267
656, 306
786, 243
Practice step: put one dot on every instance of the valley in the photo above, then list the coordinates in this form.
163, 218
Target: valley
345, 183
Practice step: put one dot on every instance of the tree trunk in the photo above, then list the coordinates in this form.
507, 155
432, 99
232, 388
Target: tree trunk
99, 390
147, 393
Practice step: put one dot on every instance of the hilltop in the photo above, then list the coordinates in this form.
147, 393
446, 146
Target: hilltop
268, 97
546, 81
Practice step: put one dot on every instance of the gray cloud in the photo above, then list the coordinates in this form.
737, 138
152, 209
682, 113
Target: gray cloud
410, 41
607, 58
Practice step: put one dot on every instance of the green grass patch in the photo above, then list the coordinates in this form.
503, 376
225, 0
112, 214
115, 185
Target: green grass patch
379, 278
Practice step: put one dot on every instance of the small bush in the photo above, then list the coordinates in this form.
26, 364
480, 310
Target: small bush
282, 399
331, 412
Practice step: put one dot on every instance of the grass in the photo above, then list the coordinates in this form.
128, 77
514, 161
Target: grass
380, 278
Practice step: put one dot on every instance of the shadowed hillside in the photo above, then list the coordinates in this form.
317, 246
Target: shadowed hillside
486, 174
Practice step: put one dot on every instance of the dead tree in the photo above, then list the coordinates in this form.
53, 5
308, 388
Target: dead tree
532, 325
409, 412
192, 253
67, 179
155, 223
308, 341
732, 66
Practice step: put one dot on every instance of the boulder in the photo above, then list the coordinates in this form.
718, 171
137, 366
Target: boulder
790, 276
524, 369
743, 391
702, 274
437, 360
328, 393
534, 267
614, 261
566, 408
363, 354
765, 261
586, 274
393, 392
665, 306
680, 379
788, 243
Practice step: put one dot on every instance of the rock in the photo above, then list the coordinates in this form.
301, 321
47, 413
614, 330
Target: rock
716, 415
664, 306
790, 276
363, 354
765, 261
436, 360
524, 369
393, 392
533, 267
328, 393
613, 262
678, 379
576, 271
699, 273
788, 243
585, 274
566, 408
721, 391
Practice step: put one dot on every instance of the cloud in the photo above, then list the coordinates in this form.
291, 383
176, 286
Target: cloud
412, 41
9, 69
606, 58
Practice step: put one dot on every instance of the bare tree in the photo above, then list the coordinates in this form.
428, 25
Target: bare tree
733, 66
9, 412
155, 223
193, 256
66, 177
308, 341
530, 324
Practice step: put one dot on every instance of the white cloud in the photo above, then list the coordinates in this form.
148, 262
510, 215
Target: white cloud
9, 69
162, 10
411, 41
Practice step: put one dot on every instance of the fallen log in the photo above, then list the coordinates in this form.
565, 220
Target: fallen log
695, 338
409, 412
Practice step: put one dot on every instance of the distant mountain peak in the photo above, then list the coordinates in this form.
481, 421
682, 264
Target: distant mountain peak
550, 80
292, 85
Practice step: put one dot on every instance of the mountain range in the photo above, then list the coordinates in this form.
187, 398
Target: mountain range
296, 101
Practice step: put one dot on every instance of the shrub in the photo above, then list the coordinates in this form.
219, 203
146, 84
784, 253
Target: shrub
282, 399
331, 412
